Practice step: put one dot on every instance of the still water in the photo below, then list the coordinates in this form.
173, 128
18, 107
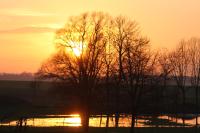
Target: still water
74, 120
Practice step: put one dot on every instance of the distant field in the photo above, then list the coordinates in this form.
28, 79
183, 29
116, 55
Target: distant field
27, 98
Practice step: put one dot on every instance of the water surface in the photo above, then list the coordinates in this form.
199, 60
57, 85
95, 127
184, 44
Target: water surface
100, 121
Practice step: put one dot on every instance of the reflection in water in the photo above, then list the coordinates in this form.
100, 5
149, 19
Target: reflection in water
51, 121
143, 121
100, 121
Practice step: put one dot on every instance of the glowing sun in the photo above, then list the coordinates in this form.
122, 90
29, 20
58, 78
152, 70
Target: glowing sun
76, 51
77, 48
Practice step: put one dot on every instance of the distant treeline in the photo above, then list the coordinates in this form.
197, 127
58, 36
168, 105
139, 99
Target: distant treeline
25, 76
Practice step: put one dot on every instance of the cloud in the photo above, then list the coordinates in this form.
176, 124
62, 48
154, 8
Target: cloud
29, 29
25, 12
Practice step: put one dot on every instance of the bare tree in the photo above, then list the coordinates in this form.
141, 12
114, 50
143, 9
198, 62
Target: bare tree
79, 60
180, 63
124, 32
137, 58
165, 68
92, 47
194, 55
109, 66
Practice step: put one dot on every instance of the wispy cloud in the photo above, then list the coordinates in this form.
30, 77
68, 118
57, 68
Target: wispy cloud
25, 12
29, 29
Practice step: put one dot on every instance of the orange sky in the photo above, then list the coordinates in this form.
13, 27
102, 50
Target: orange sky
27, 26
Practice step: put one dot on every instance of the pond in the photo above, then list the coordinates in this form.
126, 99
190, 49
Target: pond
74, 120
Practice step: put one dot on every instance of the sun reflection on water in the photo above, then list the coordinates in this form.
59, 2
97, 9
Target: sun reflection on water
73, 120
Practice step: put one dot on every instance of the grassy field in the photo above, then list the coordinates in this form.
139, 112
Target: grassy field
97, 130
28, 96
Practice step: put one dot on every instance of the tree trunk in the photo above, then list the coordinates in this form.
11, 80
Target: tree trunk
133, 113
107, 121
100, 120
183, 104
86, 109
133, 116
197, 106
117, 108
85, 122
108, 109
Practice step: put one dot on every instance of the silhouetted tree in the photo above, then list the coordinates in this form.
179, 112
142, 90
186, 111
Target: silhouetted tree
109, 66
84, 34
125, 31
180, 63
95, 48
137, 58
194, 56
165, 69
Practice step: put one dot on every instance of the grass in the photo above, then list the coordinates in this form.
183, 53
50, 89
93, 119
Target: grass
97, 130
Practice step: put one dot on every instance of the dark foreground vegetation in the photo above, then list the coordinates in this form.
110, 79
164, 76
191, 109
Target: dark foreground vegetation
96, 130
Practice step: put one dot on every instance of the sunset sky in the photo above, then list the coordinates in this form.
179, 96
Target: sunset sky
27, 27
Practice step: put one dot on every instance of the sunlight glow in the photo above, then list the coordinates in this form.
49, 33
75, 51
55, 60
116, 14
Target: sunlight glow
74, 120
77, 48
77, 51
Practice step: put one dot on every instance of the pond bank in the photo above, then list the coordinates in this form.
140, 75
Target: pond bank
5, 129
